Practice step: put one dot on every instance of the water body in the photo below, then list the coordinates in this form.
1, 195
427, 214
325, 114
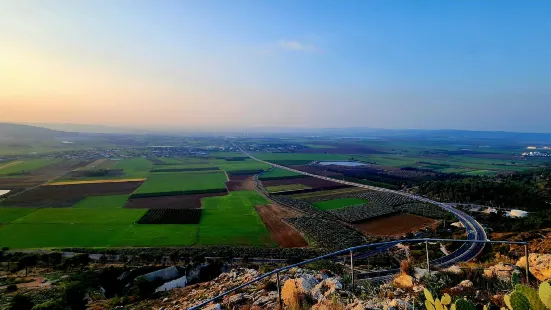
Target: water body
342, 163
4, 192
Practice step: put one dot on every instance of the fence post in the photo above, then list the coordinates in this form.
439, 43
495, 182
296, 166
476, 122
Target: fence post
279, 291
352, 269
527, 264
428, 260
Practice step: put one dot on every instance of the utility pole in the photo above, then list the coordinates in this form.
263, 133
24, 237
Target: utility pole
428, 261
352, 269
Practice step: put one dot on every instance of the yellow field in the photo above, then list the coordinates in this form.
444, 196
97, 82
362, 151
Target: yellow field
95, 182
11, 164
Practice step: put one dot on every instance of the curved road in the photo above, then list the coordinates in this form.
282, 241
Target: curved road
466, 252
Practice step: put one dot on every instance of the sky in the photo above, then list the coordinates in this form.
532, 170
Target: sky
476, 65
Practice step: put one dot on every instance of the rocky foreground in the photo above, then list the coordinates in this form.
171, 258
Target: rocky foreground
303, 288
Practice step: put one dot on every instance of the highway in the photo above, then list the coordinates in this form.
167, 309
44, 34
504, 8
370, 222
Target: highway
466, 252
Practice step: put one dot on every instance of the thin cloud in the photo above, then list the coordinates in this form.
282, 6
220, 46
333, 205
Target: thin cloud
297, 46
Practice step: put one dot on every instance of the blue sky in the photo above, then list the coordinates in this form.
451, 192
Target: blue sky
483, 65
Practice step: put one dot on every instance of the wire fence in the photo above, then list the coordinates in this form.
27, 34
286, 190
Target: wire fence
346, 258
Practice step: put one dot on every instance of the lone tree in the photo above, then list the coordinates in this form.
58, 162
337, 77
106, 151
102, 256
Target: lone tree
27, 261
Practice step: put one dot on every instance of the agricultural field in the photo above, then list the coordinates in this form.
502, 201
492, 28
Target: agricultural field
80, 216
339, 203
311, 182
275, 157
171, 216
232, 219
285, 235
167, 184
134, 167
286, 188
327, 194
8, 215
60, 196
190, 195
244, 165
277, 173
102, 202
22, 167
395, 225
240, 182
94, 222
109, 169
170, 202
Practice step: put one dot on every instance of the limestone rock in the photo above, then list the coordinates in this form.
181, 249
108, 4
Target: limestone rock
540, 265
403, 281
326, 288
292, 287
466, 284
262, 301
454, 269
234, 299
213, 307
501, 271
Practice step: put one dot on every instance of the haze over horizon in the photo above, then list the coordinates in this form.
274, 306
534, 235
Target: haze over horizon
222, 64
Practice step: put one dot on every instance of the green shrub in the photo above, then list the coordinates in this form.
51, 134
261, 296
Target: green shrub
21, 302
51, 305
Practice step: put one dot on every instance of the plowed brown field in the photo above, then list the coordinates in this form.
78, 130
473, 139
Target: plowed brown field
306, 181
240, 183
394, 225
283, 234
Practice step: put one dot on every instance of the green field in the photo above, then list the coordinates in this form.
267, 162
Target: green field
102, 202
94, 222
339, 203
286, 188
183, 182
134, 168
8, 215
81, 216
232, 219
170, 160
277, 173
25, 166
242, 165
157, 235
38, 235
299, 156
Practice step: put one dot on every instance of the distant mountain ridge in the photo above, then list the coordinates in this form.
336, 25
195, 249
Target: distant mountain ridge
64, 130
19, 131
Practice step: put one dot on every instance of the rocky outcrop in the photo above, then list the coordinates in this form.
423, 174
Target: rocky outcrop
500, 271
403, 281
325, 289
540, 265
294, 287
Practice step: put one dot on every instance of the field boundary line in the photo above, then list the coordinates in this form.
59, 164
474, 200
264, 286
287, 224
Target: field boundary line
11, 164
95, 182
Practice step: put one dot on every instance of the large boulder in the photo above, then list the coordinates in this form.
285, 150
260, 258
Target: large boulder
500, 271
403, 281
540, 265
325, 288
293, 287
